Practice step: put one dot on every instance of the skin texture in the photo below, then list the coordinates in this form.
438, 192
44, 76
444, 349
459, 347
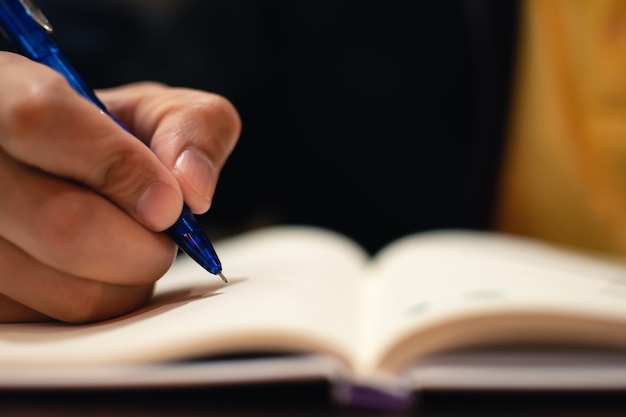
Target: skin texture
83, 200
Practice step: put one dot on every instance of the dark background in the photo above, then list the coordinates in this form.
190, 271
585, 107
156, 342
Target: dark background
373, 118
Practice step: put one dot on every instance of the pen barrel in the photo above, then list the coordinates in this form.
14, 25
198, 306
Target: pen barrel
192, 239
23, 32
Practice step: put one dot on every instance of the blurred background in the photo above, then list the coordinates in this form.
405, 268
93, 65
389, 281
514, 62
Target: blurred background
373, 118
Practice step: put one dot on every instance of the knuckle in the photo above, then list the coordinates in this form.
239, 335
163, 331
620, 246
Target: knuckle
34, 109
222, 110
220, 119
60, 231
118, 175
89, 301
80, 302
157, 267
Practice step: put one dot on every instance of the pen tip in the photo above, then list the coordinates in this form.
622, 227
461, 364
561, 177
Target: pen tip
223, 277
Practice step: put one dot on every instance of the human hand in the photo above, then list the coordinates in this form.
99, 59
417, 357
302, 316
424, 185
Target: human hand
83, 200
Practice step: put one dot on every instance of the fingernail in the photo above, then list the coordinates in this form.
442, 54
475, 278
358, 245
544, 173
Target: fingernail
159, 206
197, 171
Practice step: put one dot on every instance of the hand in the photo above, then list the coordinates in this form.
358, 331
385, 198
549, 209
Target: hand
83, 200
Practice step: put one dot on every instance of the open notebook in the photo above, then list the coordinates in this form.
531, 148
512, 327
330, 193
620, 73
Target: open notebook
453, 309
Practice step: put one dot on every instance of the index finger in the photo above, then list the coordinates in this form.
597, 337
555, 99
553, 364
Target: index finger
192, 132
46, 124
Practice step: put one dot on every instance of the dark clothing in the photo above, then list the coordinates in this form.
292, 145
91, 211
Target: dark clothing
373, 118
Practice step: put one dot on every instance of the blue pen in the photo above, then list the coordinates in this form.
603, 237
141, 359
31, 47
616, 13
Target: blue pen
25, 25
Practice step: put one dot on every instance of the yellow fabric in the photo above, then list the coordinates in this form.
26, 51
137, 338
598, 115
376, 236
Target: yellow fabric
565, 170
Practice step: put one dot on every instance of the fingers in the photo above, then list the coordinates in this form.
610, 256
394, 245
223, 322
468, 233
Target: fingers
13, 312
31, 291
72, 229
83, 199
191, 132
45, 124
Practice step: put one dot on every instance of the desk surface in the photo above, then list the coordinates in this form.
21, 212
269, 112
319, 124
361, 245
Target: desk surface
285, 401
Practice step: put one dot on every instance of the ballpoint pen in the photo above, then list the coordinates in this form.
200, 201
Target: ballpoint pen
24, 25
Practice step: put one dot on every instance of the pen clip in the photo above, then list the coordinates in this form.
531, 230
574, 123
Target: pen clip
37, 15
